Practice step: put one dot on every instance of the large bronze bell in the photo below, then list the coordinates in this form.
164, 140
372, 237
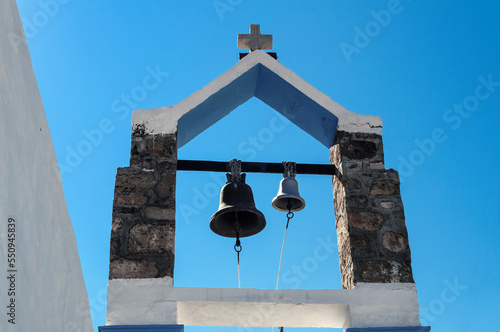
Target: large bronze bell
288, 198
237, 212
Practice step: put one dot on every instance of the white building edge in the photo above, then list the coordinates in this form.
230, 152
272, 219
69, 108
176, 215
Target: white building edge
42, 287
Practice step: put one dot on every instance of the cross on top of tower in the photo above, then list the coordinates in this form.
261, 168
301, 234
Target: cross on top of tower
254, 40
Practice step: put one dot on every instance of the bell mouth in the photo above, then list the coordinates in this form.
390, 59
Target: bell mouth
223, 222
287, 203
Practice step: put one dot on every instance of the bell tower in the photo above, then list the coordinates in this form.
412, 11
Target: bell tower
379, 292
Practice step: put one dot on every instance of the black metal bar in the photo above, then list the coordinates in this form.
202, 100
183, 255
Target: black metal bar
254, 167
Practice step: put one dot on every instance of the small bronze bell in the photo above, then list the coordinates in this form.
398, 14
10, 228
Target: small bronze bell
237, 212
288, 198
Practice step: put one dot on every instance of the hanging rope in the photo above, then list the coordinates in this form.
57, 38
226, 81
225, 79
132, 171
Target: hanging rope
289, 216
289, 170
238, 248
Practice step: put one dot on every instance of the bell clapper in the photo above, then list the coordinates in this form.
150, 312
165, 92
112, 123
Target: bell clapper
237, 246
289, 216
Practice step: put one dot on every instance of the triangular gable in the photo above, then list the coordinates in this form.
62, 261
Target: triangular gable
257, 75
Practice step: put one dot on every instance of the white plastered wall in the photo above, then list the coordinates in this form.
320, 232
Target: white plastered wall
156, 301
48, 288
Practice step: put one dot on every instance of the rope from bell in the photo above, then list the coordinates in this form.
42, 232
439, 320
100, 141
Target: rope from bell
289, 170
235, 168
289, 216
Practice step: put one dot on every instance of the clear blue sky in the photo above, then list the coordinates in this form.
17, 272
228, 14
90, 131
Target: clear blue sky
430, 70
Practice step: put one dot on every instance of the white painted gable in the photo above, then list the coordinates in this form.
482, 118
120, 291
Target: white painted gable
257, 75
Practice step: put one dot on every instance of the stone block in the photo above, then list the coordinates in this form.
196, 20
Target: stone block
384, 272
360, 246
353, 184
368, 221
153, 146
157, 213
116, 225
384, 187
151, 238
378, 165
132, 269
132, 182
162, 146
359, 149
137, 200
395, 242
388, 205
357, 201
166, 187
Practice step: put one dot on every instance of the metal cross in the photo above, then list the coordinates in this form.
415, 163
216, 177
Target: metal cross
254, 40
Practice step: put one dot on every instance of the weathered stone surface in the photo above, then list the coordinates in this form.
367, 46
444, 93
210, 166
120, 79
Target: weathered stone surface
137, 182
358, 200
153, 146
114, 248
378, 165
166, 187
161, 145
371, 231
353, 165
127, 269
116, 225
384, 272
151, 238
395, 242
157, 213
353, 184
138, 200
125, 210
360, 246
166, 271
384, 187
142, 245
368, 221
346, 267
359, 150
388, 205
399, 220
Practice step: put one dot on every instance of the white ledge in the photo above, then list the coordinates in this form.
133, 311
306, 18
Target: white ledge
155, 301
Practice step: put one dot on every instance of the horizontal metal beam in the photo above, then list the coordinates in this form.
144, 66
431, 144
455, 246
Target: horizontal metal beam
254, 167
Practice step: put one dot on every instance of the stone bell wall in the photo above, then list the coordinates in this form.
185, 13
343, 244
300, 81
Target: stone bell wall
370, 222
143, 226
371, 230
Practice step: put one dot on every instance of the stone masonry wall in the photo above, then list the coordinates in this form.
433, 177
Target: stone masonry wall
143, 225
371, 230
